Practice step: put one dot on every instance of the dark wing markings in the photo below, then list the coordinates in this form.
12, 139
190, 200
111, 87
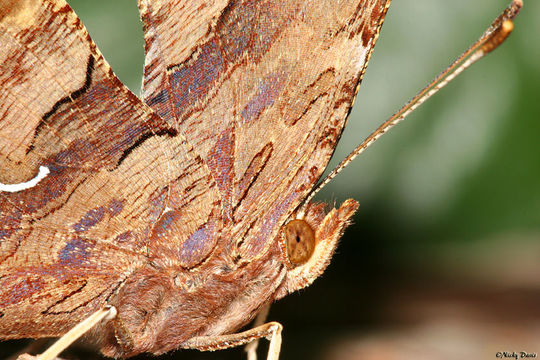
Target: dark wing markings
71, 97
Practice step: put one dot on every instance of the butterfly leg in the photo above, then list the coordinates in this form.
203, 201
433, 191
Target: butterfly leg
271, 331
32, 357
72, 335
251, 348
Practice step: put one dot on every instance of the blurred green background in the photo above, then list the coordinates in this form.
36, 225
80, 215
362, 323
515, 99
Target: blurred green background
443, 258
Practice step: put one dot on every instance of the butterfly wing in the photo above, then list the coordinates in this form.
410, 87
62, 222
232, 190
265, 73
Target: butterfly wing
68, 242
263, 90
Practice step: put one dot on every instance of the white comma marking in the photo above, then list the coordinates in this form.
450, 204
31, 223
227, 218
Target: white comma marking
43, 172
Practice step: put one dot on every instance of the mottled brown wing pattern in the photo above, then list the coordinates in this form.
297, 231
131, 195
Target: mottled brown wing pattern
173, 211
262, 89
68, 243
175, 207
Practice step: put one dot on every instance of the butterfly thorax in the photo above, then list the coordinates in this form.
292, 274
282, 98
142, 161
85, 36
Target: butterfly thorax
160, 308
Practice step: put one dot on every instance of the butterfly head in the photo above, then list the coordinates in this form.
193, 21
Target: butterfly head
309, 241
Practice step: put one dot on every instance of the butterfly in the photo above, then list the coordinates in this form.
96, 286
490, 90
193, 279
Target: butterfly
185, 209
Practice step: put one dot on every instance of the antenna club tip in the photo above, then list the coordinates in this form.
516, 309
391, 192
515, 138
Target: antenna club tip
498, 36
518, 3
507, 26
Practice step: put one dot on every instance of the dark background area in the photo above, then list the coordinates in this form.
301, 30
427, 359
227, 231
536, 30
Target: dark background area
444, 257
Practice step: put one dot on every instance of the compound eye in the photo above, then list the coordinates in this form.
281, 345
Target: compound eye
300, 239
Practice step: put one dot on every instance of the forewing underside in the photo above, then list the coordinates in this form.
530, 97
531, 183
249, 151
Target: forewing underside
262, 89
68, 243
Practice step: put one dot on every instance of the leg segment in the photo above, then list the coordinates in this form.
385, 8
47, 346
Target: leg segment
79, 330
251, 348
271, 331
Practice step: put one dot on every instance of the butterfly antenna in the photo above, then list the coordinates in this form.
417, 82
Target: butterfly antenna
489, 41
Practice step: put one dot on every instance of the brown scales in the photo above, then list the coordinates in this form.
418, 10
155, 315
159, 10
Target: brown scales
196, 248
